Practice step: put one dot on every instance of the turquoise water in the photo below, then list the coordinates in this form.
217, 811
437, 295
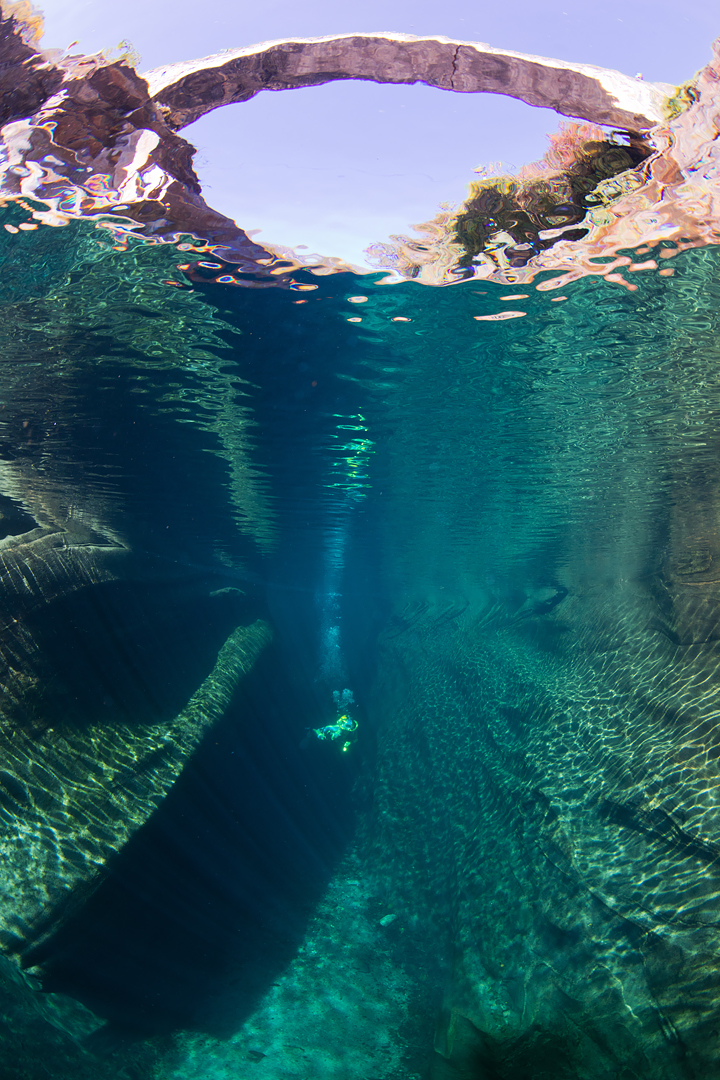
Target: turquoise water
358, 638
490, 546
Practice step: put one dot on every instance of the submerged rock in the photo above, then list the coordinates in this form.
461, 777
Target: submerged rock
69, 798
549, 808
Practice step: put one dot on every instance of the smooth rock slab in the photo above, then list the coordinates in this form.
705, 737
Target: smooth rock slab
71, 798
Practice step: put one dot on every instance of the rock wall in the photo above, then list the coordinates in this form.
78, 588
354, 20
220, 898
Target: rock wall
547, 806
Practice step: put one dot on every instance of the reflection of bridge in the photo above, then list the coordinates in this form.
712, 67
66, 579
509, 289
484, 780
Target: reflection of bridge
191, 89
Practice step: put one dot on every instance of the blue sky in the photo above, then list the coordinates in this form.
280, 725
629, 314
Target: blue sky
344, 165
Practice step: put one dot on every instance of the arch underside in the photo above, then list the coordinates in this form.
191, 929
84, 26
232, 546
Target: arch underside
188, 90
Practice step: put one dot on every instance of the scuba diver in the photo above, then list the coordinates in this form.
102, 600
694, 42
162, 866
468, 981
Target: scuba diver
345, 723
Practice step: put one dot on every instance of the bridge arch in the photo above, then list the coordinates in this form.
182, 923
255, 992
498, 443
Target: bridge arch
188, 90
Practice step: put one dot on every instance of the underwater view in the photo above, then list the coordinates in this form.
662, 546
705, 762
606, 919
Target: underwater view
359, 624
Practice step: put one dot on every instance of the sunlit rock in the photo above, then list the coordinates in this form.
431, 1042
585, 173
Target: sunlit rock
72, 796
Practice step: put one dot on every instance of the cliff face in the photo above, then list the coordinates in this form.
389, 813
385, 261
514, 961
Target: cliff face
83, 136
27, 79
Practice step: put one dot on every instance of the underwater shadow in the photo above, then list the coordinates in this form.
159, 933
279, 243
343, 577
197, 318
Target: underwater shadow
208, 902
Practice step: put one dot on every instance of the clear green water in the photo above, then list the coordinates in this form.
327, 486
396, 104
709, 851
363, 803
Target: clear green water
501, 537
